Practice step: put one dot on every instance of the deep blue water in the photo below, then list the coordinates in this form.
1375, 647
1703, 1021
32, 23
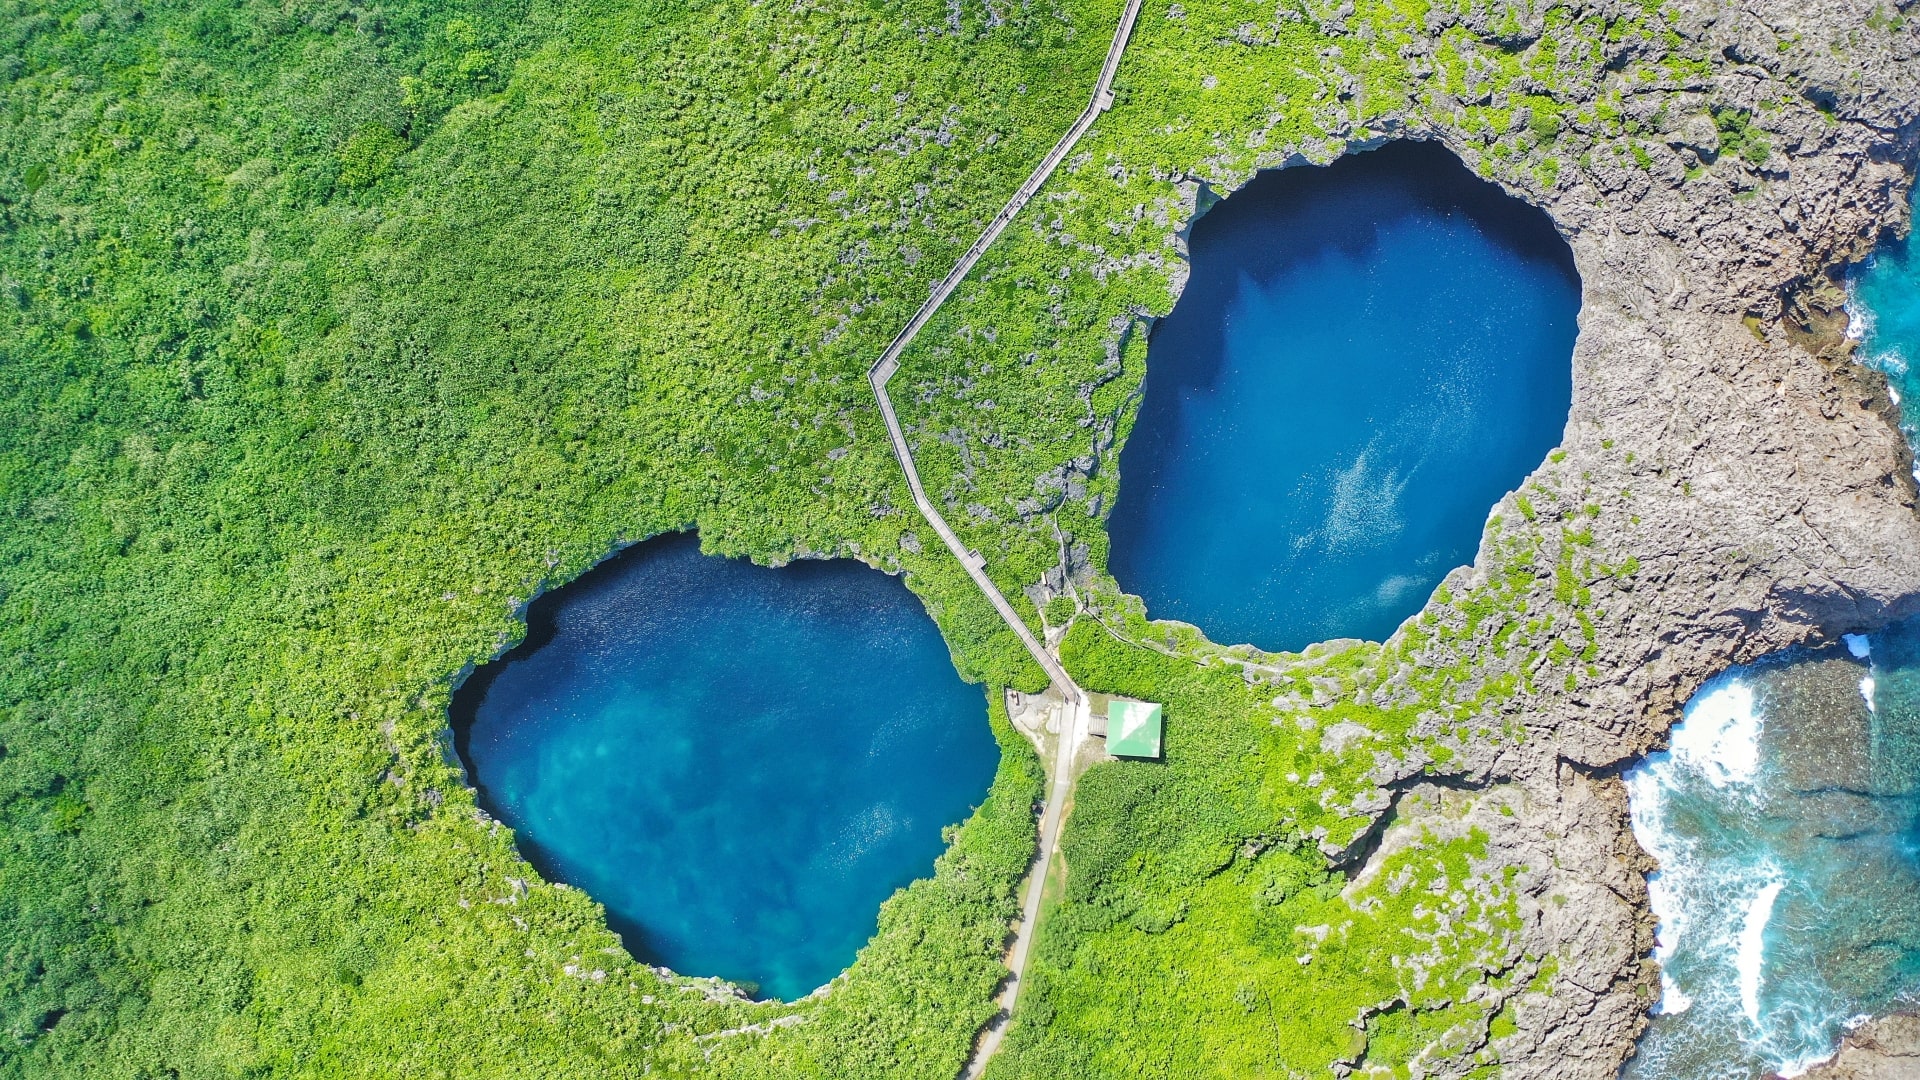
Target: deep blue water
1366, 358
740, 762
1786, 819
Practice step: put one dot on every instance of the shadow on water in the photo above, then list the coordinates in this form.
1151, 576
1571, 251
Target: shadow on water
1296, 214
657, 735
1365, 358
543, 624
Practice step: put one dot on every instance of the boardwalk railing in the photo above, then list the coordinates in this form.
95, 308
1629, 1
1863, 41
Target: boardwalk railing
883, 369
1073, 726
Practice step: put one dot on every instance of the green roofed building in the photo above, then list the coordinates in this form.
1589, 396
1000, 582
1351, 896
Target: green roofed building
1133, 729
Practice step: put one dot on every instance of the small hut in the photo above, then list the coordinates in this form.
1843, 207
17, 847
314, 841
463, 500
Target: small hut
1133, 728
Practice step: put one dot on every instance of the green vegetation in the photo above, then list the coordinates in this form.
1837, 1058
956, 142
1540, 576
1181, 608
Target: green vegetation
1738, 136
330, 332
1202, 934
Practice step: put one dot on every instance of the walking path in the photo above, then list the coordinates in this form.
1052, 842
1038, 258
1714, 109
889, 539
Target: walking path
1074, 724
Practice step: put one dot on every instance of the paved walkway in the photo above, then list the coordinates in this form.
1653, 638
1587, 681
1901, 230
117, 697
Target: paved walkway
1073, 725
1073, 732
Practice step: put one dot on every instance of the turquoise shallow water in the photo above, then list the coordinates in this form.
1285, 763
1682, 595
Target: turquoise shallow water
1366, 358
740, 762
1787, 818
1885, 303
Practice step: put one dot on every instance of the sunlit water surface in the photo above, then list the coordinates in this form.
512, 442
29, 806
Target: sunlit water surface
1785, 819
1366, 358
1884, 300
1787, 815
740, 762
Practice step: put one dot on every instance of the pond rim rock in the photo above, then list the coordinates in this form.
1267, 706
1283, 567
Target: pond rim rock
1751, 476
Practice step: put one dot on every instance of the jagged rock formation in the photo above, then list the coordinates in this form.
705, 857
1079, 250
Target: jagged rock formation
1883, 1049
1729, 483
1721, 447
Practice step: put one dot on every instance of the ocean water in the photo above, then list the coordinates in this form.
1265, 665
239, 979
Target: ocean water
1366, 358
1884, 304
1786, 819
740, 762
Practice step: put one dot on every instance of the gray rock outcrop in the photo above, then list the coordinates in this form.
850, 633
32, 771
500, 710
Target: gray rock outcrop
1731, 482
1883, 1049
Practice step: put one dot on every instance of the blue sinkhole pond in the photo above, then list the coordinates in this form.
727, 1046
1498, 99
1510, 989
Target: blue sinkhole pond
1366, 358
1786, 821
740, 762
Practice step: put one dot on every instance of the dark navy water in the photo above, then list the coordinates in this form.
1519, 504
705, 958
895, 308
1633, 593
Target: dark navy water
1366, 358
740, 762
1786, 820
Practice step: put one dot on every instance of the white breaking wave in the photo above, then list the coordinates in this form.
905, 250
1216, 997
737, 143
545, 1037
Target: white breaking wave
1726, 962
1859, 645
1711, 910
1719, 734
1866, 691
1667, 888
1753, 947
1890, 362
1670, 918
1860, 324
1859, 319
1795, 1068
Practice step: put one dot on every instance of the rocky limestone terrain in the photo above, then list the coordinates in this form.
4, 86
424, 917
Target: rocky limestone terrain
1730, 447
1722, 447
1883, 1049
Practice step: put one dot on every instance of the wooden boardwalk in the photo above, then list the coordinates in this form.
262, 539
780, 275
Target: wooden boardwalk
1073, 724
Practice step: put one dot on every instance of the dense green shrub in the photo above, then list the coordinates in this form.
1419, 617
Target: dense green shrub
330, 332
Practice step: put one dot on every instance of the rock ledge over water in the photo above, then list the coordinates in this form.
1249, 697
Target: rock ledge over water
1883, 1049
1721, 445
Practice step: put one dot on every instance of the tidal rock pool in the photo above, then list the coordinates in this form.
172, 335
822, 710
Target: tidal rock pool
1366, 358
740, 762
1786, 819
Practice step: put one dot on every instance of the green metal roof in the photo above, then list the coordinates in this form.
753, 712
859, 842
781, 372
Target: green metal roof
1133, 729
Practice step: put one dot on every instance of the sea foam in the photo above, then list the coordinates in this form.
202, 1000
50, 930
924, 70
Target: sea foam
1712, 905
1648, 787
1753, 947
1859, 315
1670, 922
1771, 933
1720, 733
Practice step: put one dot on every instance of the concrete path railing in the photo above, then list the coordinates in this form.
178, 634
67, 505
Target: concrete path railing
1073, 725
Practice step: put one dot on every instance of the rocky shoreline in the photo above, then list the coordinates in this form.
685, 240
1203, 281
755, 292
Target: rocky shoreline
1763, 487
1883, 1049
1720, 438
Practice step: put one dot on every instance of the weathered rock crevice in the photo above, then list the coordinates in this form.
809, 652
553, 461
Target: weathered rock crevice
1723, 442
1883, 1049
